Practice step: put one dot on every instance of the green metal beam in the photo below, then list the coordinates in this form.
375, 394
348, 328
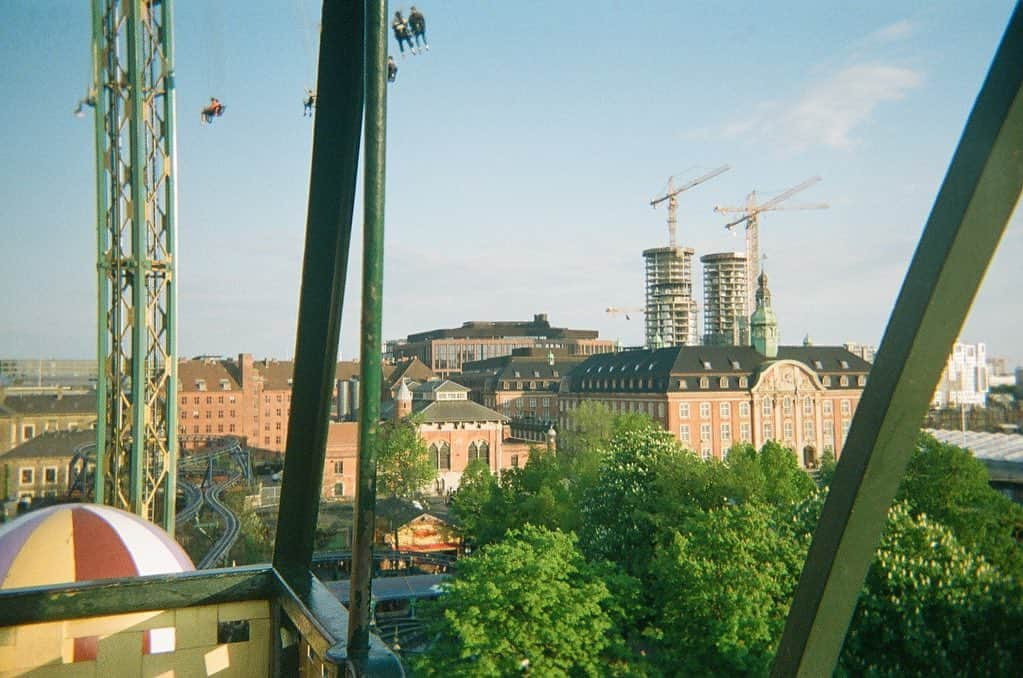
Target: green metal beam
328, 235
119, 596
969, 217
171, 237
372, 313
101, 98
138, 267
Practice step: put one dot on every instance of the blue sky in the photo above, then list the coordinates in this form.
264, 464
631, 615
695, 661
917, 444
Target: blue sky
523, 151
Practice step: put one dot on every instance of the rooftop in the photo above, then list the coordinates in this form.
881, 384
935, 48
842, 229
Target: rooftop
539, 326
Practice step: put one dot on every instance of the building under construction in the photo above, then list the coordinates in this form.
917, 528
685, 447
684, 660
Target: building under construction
725, 313
671, 314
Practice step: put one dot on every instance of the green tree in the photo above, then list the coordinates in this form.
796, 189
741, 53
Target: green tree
621, 512
527, 604
472, 502
930, 608
949, 485
723, 587
771, 475
536, 494
404, 466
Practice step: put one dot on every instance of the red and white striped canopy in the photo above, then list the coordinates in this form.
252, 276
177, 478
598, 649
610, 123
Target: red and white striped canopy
79, 542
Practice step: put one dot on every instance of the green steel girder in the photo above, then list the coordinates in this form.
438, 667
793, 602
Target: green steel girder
133, 90
371, 340
337, 131
967, 221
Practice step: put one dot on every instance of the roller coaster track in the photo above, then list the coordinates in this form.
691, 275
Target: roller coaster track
193, 501
232, 526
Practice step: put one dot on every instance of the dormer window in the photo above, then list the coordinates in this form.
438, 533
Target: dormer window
735, 364
826, 380
536, 373
556, 375
611, 369
706, 364
844, 364
518, 374
843, 380
861, 380
704, 382
650, 367
743, 382
225, 385
818, 364
683, 384
200, 384
723, 382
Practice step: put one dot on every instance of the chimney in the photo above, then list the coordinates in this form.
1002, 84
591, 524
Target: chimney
245, 368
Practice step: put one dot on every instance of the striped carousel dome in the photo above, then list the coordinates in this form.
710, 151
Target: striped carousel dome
79, 542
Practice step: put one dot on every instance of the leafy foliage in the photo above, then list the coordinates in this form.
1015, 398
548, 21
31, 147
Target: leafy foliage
930, 607
404, 466
530, 602
724, 585
949, 485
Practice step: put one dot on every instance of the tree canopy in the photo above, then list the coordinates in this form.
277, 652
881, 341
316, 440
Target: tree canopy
528, 604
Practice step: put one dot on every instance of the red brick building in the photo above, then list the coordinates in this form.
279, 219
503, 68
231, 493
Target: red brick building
455, 429
711, 397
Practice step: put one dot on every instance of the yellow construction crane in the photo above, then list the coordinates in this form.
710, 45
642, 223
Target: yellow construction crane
672, 197
750, 215
615, 311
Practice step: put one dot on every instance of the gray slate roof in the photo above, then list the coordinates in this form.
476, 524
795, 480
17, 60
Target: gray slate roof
52, 444
692, 362
441, 411
41, 405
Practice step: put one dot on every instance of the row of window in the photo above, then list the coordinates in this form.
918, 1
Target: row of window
683, 384
725, 431
27, 475
28, 431
767, 406
440, 454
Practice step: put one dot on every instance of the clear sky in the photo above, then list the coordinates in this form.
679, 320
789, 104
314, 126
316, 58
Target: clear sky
524, 149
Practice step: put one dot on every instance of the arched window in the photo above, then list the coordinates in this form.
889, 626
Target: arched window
444, 457
435, 456
473, 452
484, 452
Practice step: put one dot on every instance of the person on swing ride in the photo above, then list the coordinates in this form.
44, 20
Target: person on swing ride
401, 33
309, 103
392, 69
212, 110
417, 24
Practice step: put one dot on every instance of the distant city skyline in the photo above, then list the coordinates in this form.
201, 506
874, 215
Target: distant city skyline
522, 159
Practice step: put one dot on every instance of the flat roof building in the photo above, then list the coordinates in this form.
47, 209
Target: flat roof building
445, 351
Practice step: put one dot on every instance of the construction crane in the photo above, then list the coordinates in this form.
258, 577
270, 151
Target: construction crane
672, 197
750, 215
616, 311
132, 95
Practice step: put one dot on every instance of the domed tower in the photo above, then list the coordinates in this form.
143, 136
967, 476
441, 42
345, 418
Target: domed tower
763, 323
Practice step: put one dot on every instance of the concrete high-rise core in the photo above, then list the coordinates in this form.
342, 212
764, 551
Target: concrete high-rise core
671, 315
725, 313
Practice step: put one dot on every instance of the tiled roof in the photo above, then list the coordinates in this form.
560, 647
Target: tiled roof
276, 374
413, 368
439, 386
442, 411
52, 444
41, 405
209, 370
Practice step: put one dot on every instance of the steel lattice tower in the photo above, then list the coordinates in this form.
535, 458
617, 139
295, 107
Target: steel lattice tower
133, 94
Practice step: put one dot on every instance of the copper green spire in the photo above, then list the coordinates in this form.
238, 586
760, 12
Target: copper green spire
763, 323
